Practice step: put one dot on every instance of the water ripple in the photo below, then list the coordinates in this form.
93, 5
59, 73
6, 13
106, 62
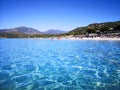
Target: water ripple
28, 64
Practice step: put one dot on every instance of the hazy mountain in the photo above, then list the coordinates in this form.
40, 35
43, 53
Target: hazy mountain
21, 30
52, 31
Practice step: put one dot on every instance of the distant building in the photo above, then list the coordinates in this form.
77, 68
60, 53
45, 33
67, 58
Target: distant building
93, 35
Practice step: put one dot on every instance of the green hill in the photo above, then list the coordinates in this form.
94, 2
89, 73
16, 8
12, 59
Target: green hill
97, 28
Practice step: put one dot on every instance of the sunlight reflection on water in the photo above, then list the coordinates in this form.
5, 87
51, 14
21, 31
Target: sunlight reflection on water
29, 64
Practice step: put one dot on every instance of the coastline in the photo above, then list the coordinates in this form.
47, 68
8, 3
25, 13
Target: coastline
72, 38
97, 38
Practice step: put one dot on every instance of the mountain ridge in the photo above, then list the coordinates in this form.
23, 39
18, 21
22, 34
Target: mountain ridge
30, 31
54, 31
105, 28
22, 30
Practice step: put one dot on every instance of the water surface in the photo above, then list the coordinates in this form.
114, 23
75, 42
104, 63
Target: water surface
30, 64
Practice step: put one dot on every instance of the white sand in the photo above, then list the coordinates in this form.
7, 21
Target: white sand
97, 38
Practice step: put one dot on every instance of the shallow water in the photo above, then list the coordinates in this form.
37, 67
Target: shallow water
29, 64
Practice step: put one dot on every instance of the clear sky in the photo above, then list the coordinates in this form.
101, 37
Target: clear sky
57, 14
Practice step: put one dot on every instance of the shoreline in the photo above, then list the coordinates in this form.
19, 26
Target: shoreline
97, 38
71, 38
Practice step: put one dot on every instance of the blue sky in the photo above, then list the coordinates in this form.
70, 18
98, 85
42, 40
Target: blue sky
57, 14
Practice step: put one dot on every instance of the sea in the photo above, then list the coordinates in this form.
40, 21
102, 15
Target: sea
44, 64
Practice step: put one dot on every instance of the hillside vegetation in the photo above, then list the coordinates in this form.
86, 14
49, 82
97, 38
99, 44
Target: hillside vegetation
97, 28
107, 28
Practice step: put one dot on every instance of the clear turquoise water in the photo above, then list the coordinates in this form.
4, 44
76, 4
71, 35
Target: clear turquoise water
29, 64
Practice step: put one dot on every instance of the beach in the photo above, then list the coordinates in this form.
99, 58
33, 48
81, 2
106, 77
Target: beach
96, 38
